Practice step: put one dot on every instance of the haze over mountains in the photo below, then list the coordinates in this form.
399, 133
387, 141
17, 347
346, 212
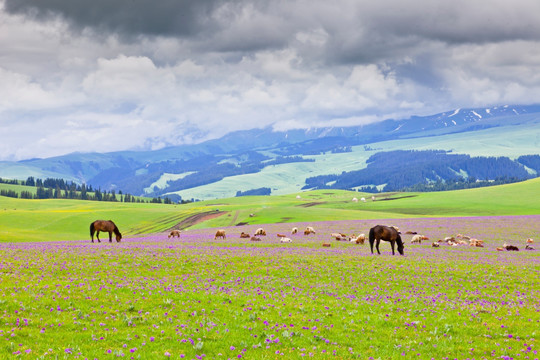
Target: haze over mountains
287, 161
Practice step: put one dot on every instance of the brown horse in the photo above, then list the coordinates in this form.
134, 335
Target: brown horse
386, 233
104, 225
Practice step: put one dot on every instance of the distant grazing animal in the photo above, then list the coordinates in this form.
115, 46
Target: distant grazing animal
339, 236
418, 239
510, 247
244, 235
476, 242
294, 230
174, 233
309, 230
354, 199
435, 244
530, 241
107, 226
260, 232
254, 238
411, 233
326, 244
528, 247
251, 215
280, 235
285, 240
359, 239
500, 249
386, 233
221, 234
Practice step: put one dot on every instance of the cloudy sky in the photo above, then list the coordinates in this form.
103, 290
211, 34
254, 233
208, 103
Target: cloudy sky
102, 75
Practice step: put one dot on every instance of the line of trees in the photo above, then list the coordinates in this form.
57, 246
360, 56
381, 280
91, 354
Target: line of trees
61, 189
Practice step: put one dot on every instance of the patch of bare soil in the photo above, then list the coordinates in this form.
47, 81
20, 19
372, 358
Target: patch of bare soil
197, 218
310, 204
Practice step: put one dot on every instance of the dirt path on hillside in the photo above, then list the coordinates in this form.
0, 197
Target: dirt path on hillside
197, 218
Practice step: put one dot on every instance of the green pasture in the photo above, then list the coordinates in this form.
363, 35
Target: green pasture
45, 220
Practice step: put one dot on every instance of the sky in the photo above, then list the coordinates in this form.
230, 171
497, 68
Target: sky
102, 75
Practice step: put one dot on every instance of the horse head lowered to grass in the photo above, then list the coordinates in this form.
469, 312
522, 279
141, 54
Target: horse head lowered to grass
107, 226
386, 233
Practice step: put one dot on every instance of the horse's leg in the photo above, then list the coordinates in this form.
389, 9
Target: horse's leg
97, 236
110, 236
377, 246
92, 235
392, 245
371, 244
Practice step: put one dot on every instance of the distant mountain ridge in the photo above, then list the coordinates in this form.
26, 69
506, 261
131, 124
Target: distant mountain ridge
249, 152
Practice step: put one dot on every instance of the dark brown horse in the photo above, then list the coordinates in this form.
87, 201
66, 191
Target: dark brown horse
104, 225
386, 233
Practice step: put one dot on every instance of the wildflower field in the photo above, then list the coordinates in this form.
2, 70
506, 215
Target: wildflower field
198, 298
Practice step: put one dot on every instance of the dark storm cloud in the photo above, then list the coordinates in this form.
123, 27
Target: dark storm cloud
126, 17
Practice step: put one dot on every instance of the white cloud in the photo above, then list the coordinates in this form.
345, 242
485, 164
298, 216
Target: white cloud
237, 65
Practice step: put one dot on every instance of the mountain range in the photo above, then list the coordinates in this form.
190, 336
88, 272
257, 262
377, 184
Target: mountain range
287, 161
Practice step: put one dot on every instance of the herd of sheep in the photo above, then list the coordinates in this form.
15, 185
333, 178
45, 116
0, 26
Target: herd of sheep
458, 240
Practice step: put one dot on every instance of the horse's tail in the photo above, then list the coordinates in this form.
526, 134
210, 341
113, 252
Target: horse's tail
371, 235
92, 229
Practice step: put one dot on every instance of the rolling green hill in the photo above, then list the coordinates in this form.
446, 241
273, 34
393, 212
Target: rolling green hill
47, 220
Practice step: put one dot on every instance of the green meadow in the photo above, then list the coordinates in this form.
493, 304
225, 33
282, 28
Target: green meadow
195, 297
51, 219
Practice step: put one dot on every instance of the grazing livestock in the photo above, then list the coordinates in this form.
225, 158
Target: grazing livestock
411, 233
529, 241
174, 233
359, 239
106, 226
528, 247
285, 240
363, 199
386, 233
260, 232
500, 249
354, 199
244, 235
326, 244
418, 239
510, 247
254, 238
281, 235
339, 236
309, 230
476, 242
435, 244
220, 234
294, 230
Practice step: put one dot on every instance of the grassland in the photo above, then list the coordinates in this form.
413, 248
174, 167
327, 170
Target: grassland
150, 297
46, 220
199, 298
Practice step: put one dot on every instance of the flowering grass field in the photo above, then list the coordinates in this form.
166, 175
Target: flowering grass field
199, 298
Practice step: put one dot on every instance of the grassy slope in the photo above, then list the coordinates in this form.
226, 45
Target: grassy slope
510, 141
42, 220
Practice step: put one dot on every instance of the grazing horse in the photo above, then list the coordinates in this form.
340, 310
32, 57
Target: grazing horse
386, 233
174, 233
104, 225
